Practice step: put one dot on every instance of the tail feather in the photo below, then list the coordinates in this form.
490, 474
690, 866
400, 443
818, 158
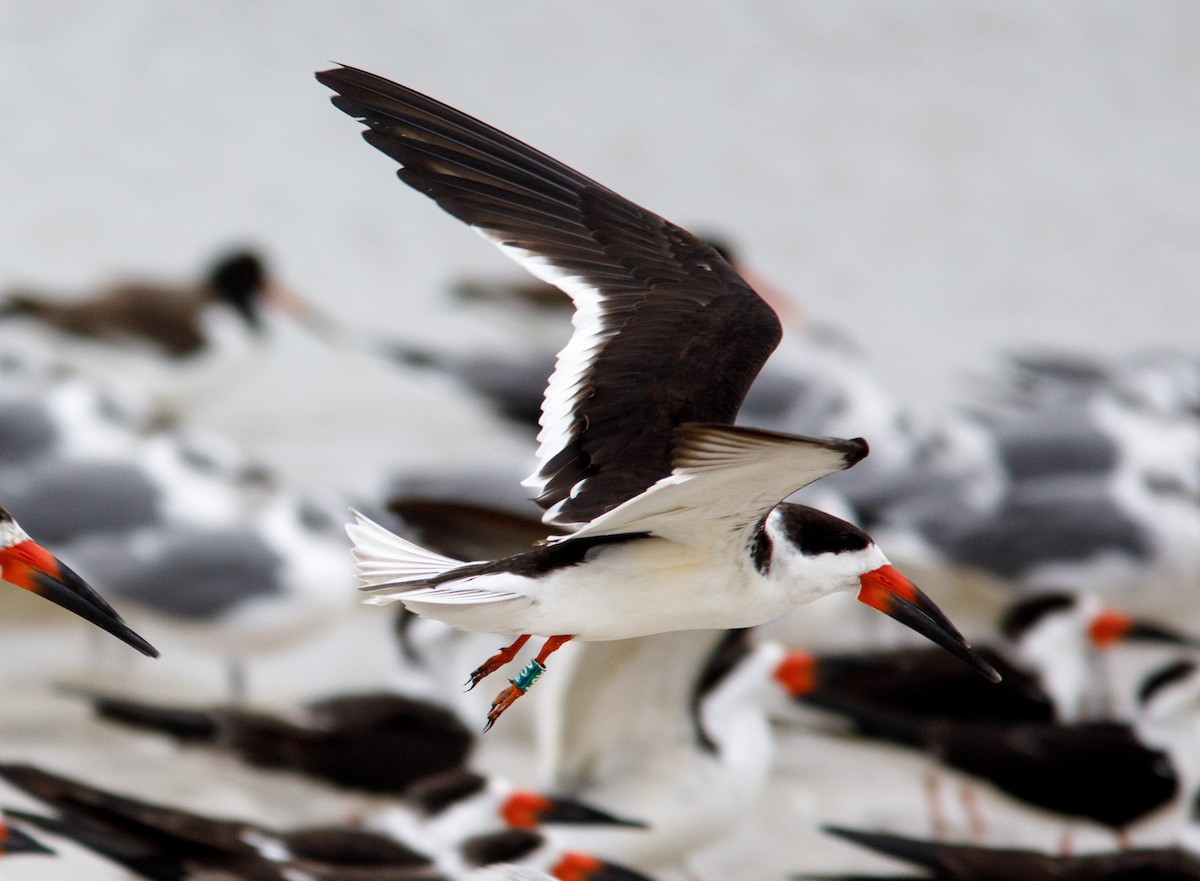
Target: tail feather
392, 568
384, 559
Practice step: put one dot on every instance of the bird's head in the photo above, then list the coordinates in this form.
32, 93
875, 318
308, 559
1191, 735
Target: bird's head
831, 555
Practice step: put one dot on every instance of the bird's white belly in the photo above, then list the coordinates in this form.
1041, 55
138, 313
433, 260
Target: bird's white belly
625, 591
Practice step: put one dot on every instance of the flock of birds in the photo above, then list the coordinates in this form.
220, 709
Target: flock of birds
1057, 520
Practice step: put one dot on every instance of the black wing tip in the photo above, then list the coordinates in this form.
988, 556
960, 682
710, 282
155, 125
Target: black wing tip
346, 77
857, 450
69, 591
337, 74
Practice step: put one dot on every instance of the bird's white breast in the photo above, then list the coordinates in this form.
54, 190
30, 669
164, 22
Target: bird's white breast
627, 590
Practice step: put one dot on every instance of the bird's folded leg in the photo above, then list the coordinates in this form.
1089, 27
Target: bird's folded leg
524, 680
496, 661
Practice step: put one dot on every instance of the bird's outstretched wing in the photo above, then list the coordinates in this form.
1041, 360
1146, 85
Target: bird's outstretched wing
666, 332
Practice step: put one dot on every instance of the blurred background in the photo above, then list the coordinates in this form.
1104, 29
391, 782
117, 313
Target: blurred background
943, 183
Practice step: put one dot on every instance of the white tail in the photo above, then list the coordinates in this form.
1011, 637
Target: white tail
384, 559
391, 568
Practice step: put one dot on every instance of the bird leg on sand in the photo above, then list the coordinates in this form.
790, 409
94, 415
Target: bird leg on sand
235, 679
496, 661
525, 679
933, 797
975, 819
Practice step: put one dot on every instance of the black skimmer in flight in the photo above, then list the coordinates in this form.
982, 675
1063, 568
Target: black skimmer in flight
27, 565
677, 513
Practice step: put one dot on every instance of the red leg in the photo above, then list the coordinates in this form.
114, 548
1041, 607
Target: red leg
975, 820
524, 680
496, 661
1066, 844
550, 646
933, 790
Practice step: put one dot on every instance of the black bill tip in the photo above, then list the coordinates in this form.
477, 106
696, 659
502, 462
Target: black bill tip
890, 592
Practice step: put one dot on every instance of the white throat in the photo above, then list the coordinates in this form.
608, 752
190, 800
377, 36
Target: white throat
11, 533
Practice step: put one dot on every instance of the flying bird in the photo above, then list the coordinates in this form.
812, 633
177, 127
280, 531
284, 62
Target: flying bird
677, 514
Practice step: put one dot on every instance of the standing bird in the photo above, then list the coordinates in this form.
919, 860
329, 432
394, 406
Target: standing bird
672, 729
176, 344
1076, 475
380, 743
1050, 658
1113, 774
253, 585
170, 319
677, 513
947, 861
374, 742
162, 843
28, 565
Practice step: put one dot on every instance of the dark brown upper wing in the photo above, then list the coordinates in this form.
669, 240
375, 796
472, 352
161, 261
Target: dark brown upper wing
666, 332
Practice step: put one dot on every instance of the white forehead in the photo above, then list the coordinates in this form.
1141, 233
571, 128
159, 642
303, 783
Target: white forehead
10, 533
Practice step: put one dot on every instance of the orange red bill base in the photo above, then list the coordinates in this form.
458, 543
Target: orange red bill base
890, 592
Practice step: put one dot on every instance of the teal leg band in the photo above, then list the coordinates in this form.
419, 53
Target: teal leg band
528, 676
